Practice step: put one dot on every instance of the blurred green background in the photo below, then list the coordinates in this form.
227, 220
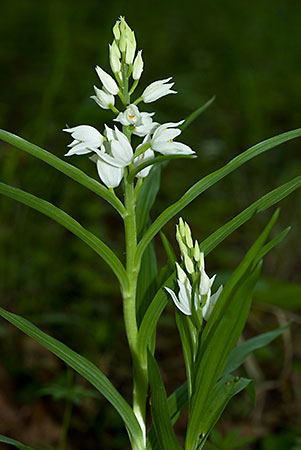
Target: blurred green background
245, 53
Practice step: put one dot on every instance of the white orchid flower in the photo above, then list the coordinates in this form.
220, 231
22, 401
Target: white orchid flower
210, 303
86, 139
142, 121
131, 116
108, 82
157, 89
103, 98
117, 151
183, 300
163, 140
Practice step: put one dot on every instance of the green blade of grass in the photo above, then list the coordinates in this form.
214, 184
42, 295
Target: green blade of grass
70, 224
84, 367
208, 181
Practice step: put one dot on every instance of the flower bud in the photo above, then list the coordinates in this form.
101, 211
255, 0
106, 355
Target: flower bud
138, 66
188, 263
130, 47
196, 251
181, 274
114, 54
188, 237
182, 226
116, 30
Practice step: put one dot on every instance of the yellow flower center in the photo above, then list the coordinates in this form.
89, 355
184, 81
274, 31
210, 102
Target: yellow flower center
131, 116
170, 140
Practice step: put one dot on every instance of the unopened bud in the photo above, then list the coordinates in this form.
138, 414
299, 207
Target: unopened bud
196, 251
138, 66
181, 274
188, 237
116, 30
130, 47
188, 263
182, 226
114, 54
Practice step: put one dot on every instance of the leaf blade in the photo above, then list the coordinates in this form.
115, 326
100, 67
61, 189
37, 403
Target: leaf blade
81, 365
209, 180
70, 224
159, 407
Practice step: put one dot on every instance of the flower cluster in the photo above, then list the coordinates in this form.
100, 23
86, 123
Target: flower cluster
112, 150
193, 282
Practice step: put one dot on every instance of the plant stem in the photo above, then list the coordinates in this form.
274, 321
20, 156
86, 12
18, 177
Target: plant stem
140, 378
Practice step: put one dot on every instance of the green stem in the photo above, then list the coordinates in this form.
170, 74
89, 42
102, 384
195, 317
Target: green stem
65, 425
140, 378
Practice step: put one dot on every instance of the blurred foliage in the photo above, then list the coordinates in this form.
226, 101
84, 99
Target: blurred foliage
248, 55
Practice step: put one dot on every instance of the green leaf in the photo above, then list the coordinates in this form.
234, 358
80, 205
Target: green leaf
242, 351
272, 244
177, 402
159, 408
17, 444
265, 202
64, 167
186, 335
209, 181
146, 198
195, 114
70, 224
168, 249
220, 396
84, 367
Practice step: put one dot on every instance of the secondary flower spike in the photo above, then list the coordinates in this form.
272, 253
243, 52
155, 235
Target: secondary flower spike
157, 89
193, 275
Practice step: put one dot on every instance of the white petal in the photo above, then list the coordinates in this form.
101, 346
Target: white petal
210, 303
109, 175
108, 82
183, 308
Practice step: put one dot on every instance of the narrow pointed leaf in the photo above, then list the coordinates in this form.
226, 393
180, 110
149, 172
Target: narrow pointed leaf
159, 408
242, 351
220, 396
81, 365
208, 181
70, 224
64, 167
195, 114
16, 444
265, 202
